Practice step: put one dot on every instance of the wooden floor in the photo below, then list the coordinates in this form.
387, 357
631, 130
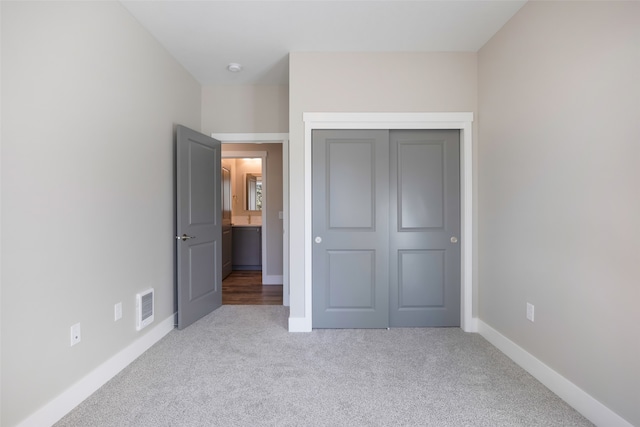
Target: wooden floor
245, 288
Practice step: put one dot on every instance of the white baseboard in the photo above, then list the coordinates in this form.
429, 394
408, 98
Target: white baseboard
74, 395
299, 324
580, 400
471, 325
272, 280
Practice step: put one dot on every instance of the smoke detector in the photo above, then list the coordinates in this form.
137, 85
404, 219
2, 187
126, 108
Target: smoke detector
234, 67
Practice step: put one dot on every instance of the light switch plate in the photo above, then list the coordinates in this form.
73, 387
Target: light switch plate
117, 311
530, 312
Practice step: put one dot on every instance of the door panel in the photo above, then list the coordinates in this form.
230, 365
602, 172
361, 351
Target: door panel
425, 214
202, 201
351, 280
415, 268
202, 280
350, 179
199, 212
420, 185
351, 183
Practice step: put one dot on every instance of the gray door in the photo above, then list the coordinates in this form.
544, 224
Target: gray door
386, 224
350, 179
199, 231
425, 227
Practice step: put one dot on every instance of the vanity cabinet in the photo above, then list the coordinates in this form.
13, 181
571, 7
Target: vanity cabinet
247, 248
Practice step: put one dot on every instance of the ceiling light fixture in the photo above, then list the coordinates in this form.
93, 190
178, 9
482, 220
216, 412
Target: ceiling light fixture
234, 67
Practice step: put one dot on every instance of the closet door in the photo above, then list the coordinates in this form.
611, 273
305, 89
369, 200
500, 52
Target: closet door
425, 228
350, 180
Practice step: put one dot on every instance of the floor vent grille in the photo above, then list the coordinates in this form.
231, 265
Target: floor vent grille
144, 308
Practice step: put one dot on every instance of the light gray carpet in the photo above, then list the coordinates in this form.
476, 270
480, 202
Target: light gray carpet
240, 367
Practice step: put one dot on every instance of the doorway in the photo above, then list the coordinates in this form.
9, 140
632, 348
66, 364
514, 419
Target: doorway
243, 252
245, 222
246, 288
268, 213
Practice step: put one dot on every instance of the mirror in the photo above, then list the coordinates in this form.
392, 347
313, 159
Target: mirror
253, 185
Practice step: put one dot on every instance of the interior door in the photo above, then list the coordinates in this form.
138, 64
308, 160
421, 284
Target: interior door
350, 179
425, 228
199, 231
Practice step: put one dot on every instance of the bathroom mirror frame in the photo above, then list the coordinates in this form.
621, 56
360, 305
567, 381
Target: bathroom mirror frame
253, 192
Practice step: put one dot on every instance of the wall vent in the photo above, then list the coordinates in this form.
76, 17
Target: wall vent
144, 308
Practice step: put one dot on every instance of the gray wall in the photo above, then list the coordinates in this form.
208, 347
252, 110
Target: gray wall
559, 213
364, 82
89, 104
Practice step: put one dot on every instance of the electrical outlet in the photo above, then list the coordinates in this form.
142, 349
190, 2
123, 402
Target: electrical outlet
117, 311
530, 312
75, 334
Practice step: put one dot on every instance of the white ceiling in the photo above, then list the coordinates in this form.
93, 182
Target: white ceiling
205, 36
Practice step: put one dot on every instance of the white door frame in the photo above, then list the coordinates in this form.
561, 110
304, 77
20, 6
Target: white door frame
272, 138
461, 121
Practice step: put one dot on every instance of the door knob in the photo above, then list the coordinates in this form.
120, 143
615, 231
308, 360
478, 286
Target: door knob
318, 239
185, 237
454, 239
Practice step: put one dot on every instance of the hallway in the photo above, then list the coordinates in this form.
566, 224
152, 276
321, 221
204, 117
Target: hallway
245, 288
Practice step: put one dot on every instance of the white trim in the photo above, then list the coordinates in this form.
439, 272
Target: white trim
243, 154
272, 279
300, 324
461, 121
577, 398
252, 138
60, 406
1, 275
285, 223
473, 325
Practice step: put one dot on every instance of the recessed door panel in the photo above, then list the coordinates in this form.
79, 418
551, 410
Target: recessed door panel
202, 279
420, 279
420, 182
350, 183
203, 206
351, 280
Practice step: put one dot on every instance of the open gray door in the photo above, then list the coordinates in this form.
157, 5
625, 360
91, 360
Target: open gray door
199, 229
